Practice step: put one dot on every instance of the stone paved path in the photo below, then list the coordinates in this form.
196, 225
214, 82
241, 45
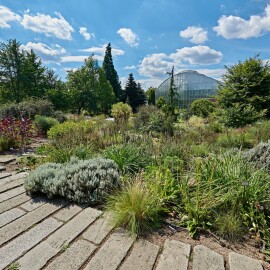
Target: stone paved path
37, 233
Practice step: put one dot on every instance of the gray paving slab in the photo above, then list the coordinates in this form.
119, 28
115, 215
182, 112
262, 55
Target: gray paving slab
241, 262
10, 215
142, 257
4, 175
73, 228
12, 178
175, 255
68, 212
98, 230
25, 222
11, 185
7, 159
73, 258
16, 248
207, 259
34, 203
13, 202
37, 257
2, 168
11, 193
111, 253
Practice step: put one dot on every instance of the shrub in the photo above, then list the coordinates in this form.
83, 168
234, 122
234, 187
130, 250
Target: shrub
6, 143
260, 155
44, 123
82, 181
260, 131
121, 112
130, 158
28, 108
135, 208
229, 226
202, 107
16, 132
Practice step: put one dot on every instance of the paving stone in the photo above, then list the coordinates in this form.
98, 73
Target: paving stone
2, 168
34, 203
73, 228
13, 178
142, 256
4, 175
25, 222
37, 257
111, 253
10, 215
241, 262
7, 159
16, 248
98, 230
11, 185
207, 259
68, 212
15, 201
11, 193
174, 256
73, 258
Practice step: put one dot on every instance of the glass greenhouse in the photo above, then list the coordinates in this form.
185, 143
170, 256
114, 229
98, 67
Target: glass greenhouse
189, 86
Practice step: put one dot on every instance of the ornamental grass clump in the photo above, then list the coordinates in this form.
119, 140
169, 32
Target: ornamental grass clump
82, 181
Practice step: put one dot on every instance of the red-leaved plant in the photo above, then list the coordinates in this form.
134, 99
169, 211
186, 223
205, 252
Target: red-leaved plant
17, 130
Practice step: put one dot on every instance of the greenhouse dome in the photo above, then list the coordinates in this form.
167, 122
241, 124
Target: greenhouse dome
189, 86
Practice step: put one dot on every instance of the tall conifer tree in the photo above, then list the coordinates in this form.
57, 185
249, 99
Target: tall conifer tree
110, 72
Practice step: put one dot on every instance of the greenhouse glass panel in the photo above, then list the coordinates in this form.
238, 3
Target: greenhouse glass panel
189, 86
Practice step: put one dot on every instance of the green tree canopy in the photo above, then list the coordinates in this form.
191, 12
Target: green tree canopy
151, 95
110, 72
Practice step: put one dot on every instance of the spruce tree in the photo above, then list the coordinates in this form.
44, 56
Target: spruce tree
134, 93
110, 72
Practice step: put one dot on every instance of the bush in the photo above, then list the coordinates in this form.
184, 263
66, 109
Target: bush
135, 208
44, 123
202, 107
28, 108
130, 158
82, 181
6, 143
260, 155
121, 112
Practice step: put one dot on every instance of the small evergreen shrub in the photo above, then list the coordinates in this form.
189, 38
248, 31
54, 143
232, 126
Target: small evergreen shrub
202, 107
44, 123
260, 155
82, 181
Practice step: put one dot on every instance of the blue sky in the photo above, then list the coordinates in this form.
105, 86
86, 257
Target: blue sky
148, 37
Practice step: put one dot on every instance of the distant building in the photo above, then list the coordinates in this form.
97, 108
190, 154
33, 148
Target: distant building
189, 85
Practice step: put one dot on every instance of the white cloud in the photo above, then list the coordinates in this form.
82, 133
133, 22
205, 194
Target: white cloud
47, 53
50, 26
214, 73
6, 16
100, 51
195, 34
155, 65
74, 58
129, 36
231, 27
129, 67
197, 55
85, 34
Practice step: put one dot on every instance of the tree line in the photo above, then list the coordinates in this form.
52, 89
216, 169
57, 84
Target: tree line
90, 88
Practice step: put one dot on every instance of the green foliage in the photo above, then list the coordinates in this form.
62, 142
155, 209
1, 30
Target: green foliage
240, 115
130, 158
161, 102
202, 107
111, 73
230, 226
135, 208
121, 112
151, 95
82, 181
45, 123
28, 108
245, 92
6, 143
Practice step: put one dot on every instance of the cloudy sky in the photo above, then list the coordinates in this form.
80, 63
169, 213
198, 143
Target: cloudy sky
148, 37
